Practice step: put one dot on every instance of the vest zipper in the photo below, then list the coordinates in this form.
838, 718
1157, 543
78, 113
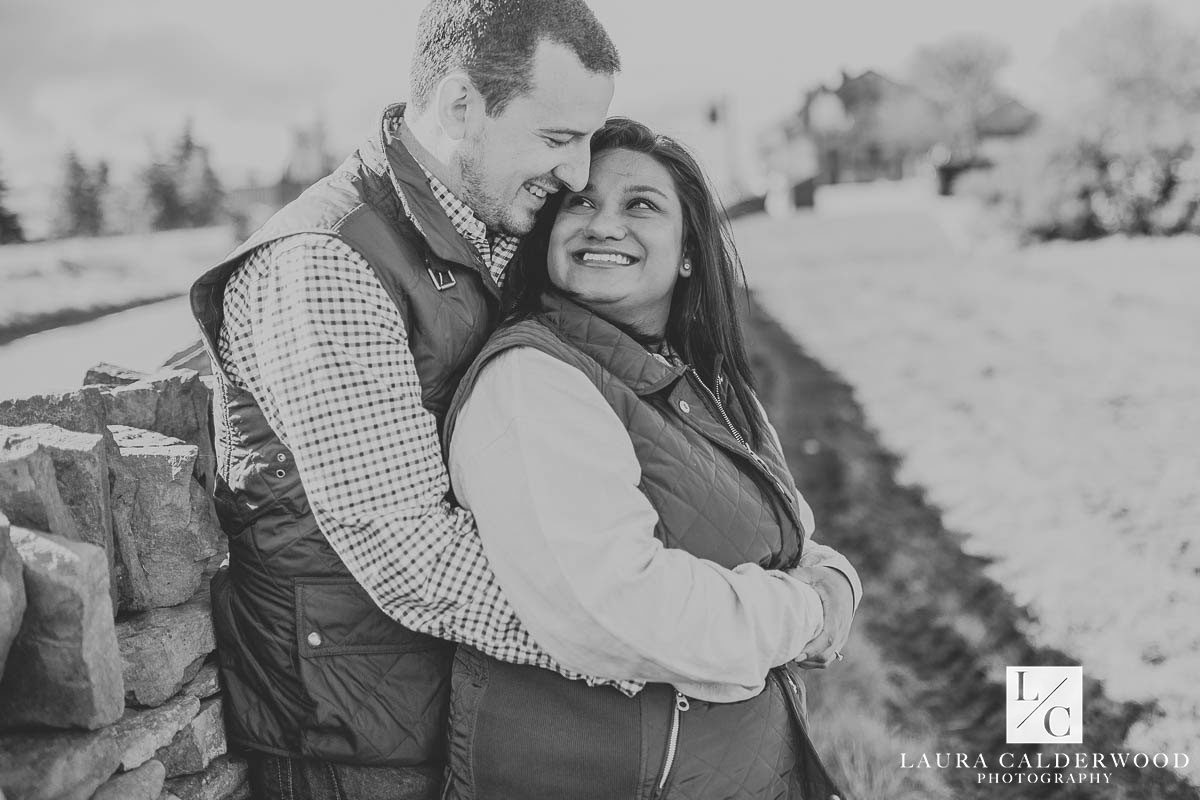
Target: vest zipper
716, 399
679, 705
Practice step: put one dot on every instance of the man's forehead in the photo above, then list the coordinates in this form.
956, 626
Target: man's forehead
566, 96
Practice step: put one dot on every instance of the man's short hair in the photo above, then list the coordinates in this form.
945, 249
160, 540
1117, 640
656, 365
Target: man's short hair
494, 41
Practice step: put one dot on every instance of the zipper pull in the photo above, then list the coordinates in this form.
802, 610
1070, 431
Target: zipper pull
681, 701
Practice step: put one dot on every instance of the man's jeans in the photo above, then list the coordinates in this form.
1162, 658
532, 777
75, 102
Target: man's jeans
282, 778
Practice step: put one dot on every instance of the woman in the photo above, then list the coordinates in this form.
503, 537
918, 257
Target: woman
636, 509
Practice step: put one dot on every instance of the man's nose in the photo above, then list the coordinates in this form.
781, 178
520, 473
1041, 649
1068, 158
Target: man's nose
574, 171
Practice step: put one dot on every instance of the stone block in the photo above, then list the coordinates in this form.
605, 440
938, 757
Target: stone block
206, 683
12, 593
104, 374
194, 747
70, 499
64, 669
163, 522
50, 766
225, 779
56, 766
143, 783
82, 410
194, 356
29, 486
165, 648
143, 732
173, 403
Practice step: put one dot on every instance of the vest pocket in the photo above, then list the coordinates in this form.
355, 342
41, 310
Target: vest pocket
375, 692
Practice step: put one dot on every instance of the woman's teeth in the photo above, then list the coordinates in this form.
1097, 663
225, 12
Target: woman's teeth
607, 258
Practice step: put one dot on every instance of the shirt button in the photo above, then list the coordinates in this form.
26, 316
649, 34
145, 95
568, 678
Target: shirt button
685, 407
314, 639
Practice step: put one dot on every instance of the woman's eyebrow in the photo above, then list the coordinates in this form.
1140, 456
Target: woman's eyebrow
642, 187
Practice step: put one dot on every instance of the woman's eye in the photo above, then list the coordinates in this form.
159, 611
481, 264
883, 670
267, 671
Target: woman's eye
643, 203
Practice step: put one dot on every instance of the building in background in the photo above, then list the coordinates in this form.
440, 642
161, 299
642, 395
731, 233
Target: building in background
871, 127
1003, 126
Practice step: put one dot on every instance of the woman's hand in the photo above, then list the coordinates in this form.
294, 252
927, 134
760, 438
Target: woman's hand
837, 600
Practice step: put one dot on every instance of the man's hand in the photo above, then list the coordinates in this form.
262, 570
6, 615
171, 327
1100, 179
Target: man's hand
837, 600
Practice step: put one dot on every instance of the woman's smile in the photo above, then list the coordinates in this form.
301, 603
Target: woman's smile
598, 257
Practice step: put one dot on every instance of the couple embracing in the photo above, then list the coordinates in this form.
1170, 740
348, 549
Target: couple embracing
506, 518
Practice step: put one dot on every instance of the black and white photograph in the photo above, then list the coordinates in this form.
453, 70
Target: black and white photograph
600, 400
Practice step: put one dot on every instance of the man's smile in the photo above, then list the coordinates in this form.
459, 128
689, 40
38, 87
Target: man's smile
540, 192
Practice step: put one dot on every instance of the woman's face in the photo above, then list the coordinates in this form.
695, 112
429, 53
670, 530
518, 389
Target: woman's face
617, 246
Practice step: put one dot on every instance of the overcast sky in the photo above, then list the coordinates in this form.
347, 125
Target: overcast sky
117, 77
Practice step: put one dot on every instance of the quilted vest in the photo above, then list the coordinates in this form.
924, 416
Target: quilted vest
311, 666
715, 499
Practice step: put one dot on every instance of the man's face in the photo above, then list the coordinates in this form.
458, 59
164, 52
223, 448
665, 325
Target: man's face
537, 146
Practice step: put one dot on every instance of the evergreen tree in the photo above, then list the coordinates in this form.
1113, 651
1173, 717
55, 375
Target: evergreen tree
81, 201
183, 191
10, 226
162, 198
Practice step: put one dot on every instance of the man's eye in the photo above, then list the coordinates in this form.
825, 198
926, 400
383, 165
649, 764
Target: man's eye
557, 142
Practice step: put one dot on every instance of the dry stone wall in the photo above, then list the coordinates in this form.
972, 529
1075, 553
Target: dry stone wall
108, 680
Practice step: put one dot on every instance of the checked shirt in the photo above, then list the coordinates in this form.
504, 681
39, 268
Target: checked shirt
311, 333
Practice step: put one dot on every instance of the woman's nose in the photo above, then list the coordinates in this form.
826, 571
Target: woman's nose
605, 225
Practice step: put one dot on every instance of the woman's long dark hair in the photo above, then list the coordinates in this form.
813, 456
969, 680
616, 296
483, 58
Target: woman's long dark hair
704, 325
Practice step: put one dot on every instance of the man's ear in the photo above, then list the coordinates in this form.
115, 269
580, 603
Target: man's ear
458, 103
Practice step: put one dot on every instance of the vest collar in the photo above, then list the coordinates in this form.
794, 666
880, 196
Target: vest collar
416, 197
615, 350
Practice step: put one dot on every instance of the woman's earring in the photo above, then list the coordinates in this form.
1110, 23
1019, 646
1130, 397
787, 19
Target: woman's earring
687, 267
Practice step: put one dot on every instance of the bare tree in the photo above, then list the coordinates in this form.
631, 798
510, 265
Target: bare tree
1133, 70
959, 74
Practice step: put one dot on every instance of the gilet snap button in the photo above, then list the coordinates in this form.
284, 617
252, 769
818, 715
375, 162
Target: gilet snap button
685, 407
280, 458
314, 639
280, 473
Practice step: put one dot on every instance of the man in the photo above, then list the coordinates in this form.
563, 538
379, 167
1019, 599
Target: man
338, 333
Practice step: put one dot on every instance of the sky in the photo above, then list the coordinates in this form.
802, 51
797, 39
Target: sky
117, 79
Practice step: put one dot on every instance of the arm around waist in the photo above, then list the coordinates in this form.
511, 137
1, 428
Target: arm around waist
550, 474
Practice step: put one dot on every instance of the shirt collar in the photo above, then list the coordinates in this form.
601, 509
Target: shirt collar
496, 250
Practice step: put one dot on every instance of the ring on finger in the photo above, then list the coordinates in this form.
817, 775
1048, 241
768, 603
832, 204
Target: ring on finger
838, 655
